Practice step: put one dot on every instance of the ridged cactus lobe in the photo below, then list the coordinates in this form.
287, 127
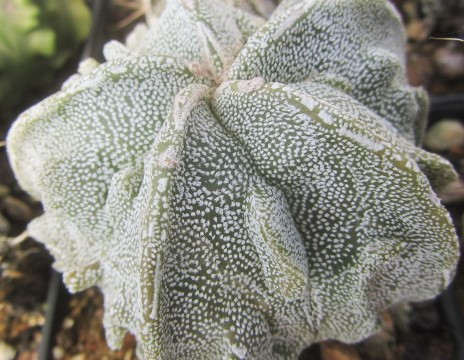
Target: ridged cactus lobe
240, 189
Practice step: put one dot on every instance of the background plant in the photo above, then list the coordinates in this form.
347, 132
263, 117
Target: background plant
37, 37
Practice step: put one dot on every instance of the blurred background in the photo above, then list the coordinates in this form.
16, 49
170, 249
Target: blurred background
41, 44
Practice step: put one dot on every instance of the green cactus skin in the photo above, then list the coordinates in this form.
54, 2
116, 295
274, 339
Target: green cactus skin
240, 189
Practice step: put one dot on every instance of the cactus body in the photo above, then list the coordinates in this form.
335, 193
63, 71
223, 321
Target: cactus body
241, 188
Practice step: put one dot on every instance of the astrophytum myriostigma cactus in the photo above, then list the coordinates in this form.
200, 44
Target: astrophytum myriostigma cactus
241, 188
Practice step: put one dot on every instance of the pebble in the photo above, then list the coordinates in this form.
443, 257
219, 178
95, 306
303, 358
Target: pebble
7, 352
17, 209
4, 225
449, 62
36, 319
78, 357
334, 350
417, 30
68, 323
58, 353
444, 135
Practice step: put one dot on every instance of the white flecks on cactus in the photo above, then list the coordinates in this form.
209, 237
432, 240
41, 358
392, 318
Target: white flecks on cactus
339, 37
240, 189
262, 8
112, 132
207, 32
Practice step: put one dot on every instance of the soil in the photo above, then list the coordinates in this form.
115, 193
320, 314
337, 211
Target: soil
411, 331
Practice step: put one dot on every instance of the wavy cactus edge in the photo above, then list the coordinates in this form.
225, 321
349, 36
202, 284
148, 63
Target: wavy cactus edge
242, 188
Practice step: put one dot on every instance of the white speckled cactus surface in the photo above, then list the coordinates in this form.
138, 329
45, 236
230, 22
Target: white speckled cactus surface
240, 188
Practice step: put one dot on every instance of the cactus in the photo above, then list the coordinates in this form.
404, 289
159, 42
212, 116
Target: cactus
241, 188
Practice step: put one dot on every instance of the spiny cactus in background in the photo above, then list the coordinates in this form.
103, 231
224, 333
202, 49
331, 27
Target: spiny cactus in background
36, 38
242, 188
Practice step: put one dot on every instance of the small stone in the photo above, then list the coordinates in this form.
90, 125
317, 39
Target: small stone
58, 353
17, 209
78, 357
334, 350
7, 352
417, 30
444, 135
12, 274
68, 323
36, 319
4, 225
449, 62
